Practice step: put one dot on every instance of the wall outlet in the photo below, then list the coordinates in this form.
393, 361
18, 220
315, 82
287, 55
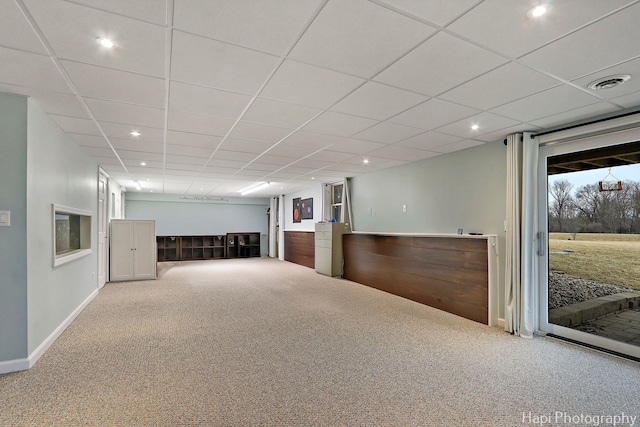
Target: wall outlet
5, 218
404, 208
370, 211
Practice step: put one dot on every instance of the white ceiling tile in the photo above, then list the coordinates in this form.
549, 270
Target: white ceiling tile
118, 112
153, 11
378, 101
202, 152
277, 113
433, 114
245, 146
339, 124
76, 125
196, 123
193, 139
486, 123
30, 70
274, 159
222, 154
15, 31
549, 102
259, 132
436, 11
267, 26
63, 104
629, 100
73, 30
310, 139
500, 86
457, 146
574, 115
116, 85
292, 152
358, 37
572, 56
308, 85
631, 68
329, 156
439, 64
207, 101
388, 133
398, 152
504, 25
85, 140
428, 140
118, 130
502, 133
146, 147
355, 146
219, 65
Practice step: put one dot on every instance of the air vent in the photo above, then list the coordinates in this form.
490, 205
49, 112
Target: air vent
609, 82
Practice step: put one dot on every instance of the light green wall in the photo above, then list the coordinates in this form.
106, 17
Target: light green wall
13, 243
57, 172
465, 189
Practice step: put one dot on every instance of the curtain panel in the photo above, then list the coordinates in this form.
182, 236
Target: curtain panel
521, 268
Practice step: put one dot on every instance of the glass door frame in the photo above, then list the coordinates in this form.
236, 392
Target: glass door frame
547, 150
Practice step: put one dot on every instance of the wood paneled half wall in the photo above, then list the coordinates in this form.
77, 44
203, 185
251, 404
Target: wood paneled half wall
448, 273
300, 248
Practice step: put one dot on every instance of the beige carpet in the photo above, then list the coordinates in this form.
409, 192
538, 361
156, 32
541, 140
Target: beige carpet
265, 342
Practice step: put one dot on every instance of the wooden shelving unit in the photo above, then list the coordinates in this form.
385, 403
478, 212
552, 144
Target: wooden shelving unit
243, 245
183, 248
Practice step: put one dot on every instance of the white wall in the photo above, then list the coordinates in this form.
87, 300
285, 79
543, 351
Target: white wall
314, 192
185, 215
465, 189
57, 172
13, 240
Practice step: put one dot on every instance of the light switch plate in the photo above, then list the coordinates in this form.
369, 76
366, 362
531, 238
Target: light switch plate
5, 218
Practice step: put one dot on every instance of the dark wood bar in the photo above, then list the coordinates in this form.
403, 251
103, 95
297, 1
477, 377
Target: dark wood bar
299, 247
448, 273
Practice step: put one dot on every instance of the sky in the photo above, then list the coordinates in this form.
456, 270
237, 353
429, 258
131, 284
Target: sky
578, 179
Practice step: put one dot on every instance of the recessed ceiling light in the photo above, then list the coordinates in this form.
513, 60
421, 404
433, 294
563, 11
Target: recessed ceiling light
538, 11
134, 133
143, 164
475, 127
105, 42
609, 82
365, 161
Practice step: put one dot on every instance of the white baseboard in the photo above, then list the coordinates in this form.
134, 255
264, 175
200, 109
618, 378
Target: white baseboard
23, 364
14, 365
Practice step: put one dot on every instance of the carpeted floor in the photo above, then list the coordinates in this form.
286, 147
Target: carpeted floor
262, 342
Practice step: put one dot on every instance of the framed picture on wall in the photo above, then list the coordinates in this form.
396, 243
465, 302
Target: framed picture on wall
297, 216
306, 208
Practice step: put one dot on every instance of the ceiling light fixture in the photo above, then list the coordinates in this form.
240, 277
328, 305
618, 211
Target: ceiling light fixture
475, 127
538, 11
254, 188
143, 164
134, 133
365, 161
609, 82
105, 42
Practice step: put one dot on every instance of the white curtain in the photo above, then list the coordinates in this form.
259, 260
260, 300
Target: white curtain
521, 270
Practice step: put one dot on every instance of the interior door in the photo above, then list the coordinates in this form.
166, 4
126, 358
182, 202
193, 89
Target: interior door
592, 151
103, 229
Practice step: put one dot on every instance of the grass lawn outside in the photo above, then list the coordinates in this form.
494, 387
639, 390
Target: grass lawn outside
608, 258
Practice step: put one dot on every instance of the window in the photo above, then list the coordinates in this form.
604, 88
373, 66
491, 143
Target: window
71, 234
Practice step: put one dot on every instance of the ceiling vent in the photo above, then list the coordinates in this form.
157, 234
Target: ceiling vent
609, 82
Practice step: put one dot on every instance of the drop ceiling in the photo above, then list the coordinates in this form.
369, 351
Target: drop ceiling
227, 93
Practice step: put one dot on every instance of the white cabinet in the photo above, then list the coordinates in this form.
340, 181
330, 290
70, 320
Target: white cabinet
133, 250
328, 238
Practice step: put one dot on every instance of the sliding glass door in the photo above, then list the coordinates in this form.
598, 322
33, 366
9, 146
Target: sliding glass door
589, 210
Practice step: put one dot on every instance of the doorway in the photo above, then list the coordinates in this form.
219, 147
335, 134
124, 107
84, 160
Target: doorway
103, 228
590, 276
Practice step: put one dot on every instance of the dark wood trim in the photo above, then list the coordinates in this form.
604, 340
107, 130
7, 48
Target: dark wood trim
447, 273
300, 248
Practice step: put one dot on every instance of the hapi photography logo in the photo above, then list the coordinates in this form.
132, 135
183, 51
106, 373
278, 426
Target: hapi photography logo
568, 419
